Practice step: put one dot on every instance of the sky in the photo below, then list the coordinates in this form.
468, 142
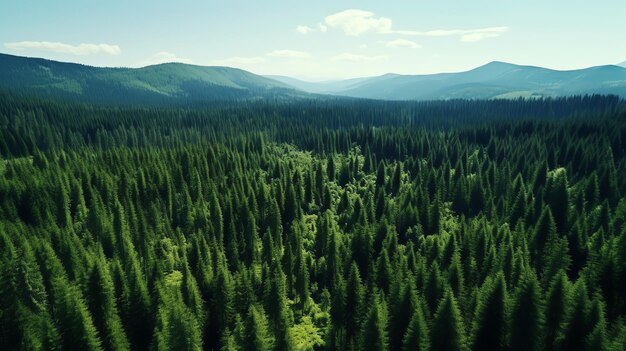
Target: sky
318, 40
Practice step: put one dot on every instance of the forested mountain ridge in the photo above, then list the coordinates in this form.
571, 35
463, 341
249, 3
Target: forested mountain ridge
157, 84
314, 225
178, 83
490, 81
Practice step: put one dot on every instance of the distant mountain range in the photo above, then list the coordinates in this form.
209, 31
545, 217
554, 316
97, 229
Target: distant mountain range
493, 80
169, 82
182, 83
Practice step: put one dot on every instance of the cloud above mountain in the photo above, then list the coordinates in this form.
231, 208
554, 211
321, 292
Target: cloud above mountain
289, 54
355, 22
403, 43
80, 49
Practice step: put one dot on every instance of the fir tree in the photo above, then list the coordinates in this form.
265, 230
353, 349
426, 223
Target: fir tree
526, 326
447, 331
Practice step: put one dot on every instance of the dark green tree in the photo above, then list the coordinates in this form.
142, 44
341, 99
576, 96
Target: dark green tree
447, 332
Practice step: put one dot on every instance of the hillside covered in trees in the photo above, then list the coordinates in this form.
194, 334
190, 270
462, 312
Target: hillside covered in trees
314, 225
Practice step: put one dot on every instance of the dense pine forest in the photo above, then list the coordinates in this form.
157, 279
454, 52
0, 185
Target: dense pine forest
313, 224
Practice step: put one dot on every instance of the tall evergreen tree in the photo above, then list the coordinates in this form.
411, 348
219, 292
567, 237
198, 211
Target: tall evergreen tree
102, 303
557, 304
489, 330
257, 333
374, 331
447, 332
526, 320
417, 334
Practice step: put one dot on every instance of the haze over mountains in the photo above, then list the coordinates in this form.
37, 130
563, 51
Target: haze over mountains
493, 80
183, 82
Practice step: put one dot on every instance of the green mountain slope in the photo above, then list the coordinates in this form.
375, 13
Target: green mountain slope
164, 82
493, 80
183, 83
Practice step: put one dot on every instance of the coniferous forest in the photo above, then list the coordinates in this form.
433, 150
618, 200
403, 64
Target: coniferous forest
313, 224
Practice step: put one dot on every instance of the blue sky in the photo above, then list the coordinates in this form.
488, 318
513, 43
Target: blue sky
319, 39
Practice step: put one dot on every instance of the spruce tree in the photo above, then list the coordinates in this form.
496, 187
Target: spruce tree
102, 303
447, 332
417, 336
576, 327
557, 304
489, 330
526, 320
374, 330
257, 332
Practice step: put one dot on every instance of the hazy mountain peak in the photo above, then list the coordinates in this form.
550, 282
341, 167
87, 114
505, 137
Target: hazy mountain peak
182, 82
495, 67
495, 79
499, 64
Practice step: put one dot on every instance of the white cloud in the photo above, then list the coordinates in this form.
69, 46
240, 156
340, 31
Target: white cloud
356, 58
356, 22
289, 54
403, 43
165, 57
81, 49
481, 34
363, 46
304, 29
249, 62
320, 27
472, 37
239, 60
431, 33
466, 35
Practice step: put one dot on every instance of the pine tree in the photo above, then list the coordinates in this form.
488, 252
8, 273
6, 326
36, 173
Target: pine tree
396, 179
25, 319
489, 331
384, 274
526, 326
380, 176
337, 337
598, 338
223, 314
291, 206
277, 309
557, 197
354, 301
557, 304
374, 331
447, 331
177, 328
455, 276
101, 300
545, 231
257, 333
417, 335
74, 321
576, 327
135, 307
362, 249
251, 239
402, 305
434, 289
